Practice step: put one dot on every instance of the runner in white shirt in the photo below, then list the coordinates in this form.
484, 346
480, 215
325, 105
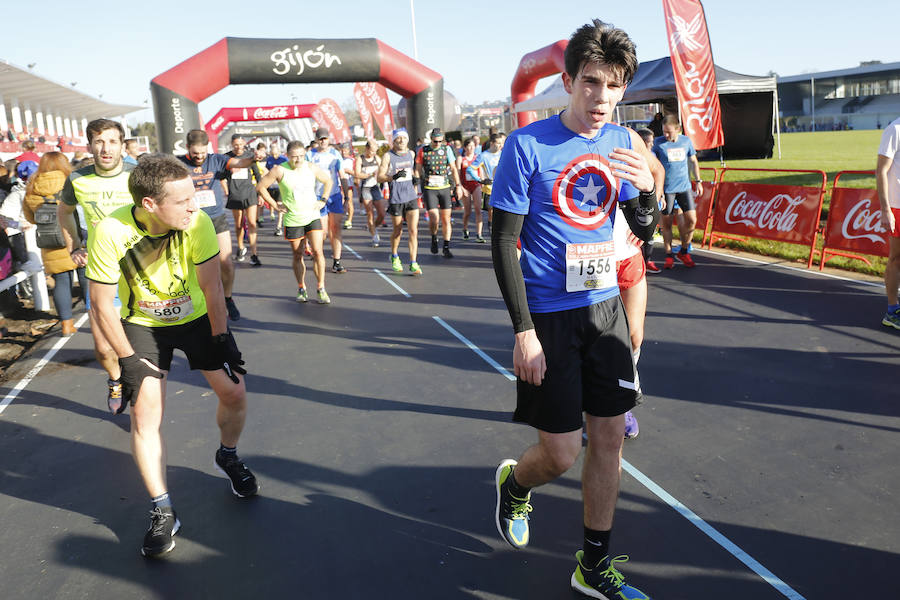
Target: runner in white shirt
887, 182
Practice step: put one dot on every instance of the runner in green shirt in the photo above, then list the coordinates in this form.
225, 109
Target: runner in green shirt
162, 254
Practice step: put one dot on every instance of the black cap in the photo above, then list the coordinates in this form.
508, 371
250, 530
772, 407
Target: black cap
321, 132
436, 133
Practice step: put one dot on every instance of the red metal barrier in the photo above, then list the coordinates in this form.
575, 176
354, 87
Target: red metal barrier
783, 213
704, 202
854, 223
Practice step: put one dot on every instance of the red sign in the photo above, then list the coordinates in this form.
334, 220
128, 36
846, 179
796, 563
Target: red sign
256, 113
785, 213
365, 115
330, 116
854, 222
695, 73
376, 96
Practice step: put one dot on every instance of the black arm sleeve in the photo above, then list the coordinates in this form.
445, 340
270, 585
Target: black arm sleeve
642, 214
505, 229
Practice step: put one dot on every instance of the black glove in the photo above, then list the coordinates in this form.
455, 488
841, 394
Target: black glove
487, 181
225, 352
416, 182
399, 174
134, 370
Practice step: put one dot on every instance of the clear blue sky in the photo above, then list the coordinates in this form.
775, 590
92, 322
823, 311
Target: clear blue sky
476, 44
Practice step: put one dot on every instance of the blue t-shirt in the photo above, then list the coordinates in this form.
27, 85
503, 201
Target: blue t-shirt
271, 161
330, 162
208, 191
674, 158
563, 184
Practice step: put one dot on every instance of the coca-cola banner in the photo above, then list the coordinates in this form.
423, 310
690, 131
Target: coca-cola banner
785, 213
695, 73
376, 95
257, 113
330, 116
854, 222
365, 115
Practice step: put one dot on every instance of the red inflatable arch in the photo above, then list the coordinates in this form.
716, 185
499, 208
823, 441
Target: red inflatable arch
536, 65
177, 92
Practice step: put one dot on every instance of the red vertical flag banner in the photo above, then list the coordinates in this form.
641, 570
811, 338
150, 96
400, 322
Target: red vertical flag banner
329, 115
695, 73
376, 96
365, 115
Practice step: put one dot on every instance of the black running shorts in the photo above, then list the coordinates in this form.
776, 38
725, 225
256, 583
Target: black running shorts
437, 199
221, 223
684, 200
295, 233
240, 204
590, 368
157, 344
400, 210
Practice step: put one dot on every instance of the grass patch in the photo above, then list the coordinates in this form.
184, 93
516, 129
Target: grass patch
828, 151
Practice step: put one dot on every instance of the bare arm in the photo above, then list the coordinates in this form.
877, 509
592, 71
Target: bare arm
65, 214
383, 177
326, 181
107, 317
695, 166
211, 285
276, 173
881, 185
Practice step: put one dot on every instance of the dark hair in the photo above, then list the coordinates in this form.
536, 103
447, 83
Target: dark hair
646, 134
601, 43
28, 145
152, 173
98, 126
260, 146
196, 137
295, 144
671, 120
497, 136
235, 136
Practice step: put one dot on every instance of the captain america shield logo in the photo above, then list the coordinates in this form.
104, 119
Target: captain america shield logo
585, 192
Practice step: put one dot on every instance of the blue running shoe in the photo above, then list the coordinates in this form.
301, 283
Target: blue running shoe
891, 319
631, 426
512, 513
604, 581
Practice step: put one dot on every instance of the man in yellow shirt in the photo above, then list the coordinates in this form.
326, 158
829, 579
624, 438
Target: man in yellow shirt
162, 255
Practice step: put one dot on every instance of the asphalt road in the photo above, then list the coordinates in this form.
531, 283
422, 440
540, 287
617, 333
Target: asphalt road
771, 413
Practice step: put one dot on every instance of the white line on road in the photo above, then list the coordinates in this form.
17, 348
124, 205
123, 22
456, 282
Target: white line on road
7, 400
355, 253
709, 530
388, 279
476, 349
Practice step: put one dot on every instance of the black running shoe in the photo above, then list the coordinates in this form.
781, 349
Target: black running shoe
159, 539
243, 482
241, 254
254, 261
447, 253
233, 313
434, 245
337, 267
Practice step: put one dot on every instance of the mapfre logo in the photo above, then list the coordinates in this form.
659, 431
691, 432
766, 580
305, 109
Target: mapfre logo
585, 192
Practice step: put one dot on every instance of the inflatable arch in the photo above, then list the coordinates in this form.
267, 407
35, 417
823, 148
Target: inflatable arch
228, 115
534, 66
177, 92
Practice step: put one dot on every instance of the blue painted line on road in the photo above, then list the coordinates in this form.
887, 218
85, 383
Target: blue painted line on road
388, 279
476, 349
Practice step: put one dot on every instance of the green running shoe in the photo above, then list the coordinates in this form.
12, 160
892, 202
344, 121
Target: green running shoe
323, 297
891, 319
414, 268
302, 296
511, 514
604, 581
396, 265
